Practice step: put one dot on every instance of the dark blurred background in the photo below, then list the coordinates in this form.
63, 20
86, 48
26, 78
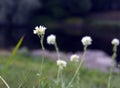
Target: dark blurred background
69, 20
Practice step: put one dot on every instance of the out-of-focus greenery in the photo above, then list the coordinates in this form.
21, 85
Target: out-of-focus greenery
23, 71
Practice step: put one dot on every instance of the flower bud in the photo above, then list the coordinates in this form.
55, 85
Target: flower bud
51, 39
74, 58
86, 40
61, 64
115, 41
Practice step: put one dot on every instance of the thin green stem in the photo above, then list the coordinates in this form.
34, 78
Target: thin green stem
80, 64
78, 74
43, 56
20, 85
62, 82
58, 76
4, 82
58, 55
111, 69
43, 53
57, 50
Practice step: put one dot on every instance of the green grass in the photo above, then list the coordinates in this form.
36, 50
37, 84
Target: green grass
23, 71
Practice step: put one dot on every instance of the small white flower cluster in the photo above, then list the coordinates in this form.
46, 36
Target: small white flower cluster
87, 40
61, 64
115, 41
74, 58
51, 39
39, 30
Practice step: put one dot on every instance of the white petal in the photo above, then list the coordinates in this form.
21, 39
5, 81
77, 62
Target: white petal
36, 27
34, 31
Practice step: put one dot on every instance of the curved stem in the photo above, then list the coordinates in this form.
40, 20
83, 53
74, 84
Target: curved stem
81, 62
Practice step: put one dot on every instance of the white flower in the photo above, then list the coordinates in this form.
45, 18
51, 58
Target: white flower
51, 39
115, 41
87, 40
61, 64
39, 30
74, 58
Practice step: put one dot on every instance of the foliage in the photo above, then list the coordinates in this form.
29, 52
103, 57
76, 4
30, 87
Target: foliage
23, 71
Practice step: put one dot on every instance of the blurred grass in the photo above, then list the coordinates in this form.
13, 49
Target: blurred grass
23, 71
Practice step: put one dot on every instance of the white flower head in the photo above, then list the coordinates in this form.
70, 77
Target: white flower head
74, 58
87, 40
51, 39
61, 64
39, 30
115, 41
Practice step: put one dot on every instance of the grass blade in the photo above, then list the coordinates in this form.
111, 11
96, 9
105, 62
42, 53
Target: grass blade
12, 55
